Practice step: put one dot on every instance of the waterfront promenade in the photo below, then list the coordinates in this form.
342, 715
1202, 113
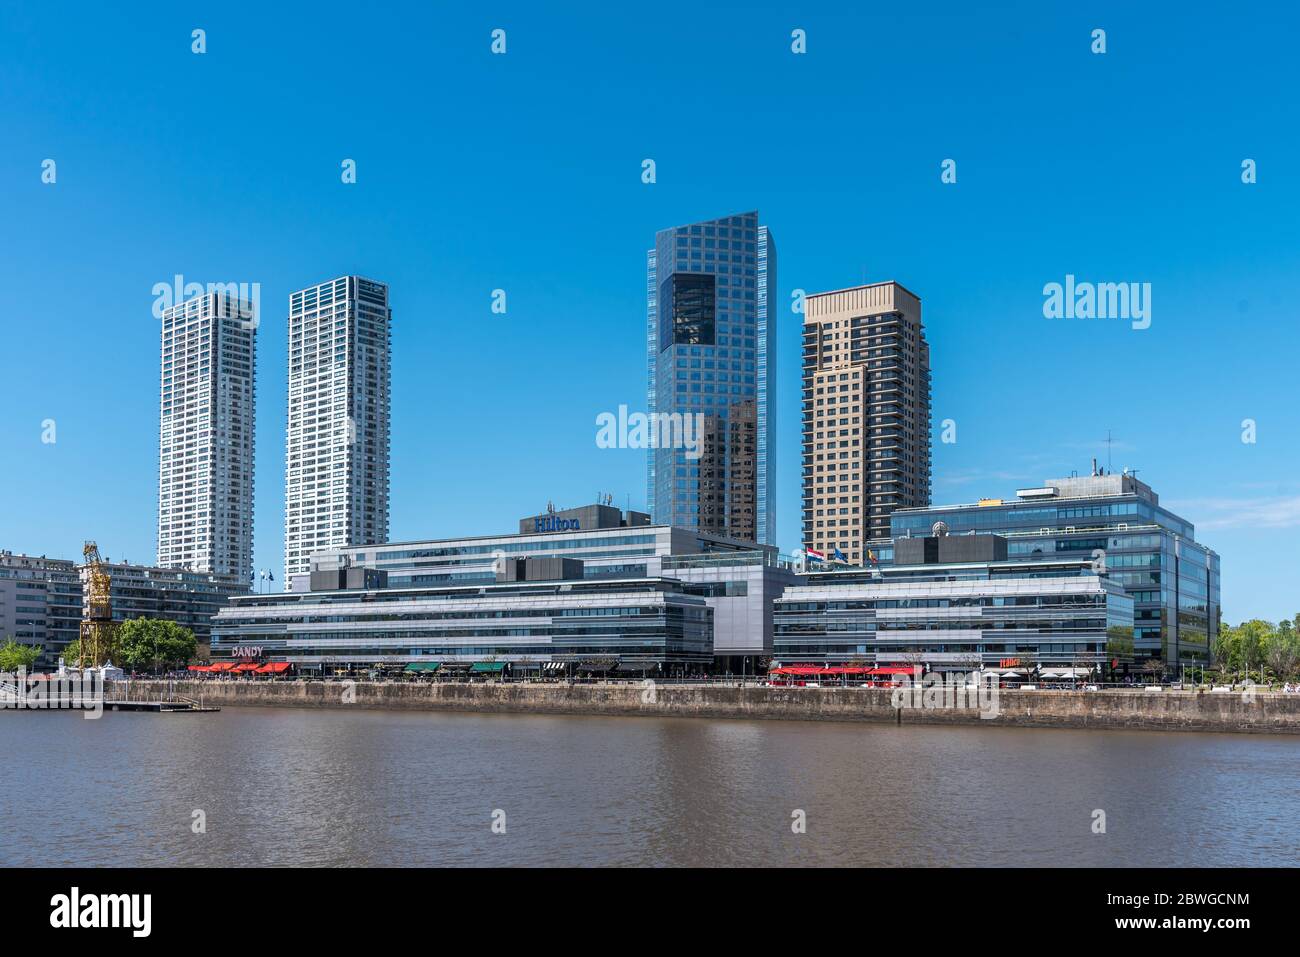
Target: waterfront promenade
1164, 710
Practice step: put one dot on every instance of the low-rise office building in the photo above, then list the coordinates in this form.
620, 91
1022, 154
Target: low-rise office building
960, 604
609, 543
537, 615
1153, 553
741, 588
737, 579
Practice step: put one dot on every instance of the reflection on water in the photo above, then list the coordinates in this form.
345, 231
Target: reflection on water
282, 787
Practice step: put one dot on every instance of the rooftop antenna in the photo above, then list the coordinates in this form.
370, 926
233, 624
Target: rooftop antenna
1108, 450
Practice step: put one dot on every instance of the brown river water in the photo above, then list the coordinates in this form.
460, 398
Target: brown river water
354, 788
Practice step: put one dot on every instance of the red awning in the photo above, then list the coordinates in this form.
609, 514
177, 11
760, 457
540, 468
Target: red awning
815, 671
272, 668
245, 666
199, 668
222, 666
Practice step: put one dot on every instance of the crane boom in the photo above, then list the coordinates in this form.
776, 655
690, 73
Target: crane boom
98, 630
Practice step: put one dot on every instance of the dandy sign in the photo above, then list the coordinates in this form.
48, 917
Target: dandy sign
246, 651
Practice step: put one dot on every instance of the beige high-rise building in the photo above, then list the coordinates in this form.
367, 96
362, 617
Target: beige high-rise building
866, 416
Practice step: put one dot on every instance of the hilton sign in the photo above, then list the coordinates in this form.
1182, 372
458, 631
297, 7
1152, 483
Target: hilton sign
551, 523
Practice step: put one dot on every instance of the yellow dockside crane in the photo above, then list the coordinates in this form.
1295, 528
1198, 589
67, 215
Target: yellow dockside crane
98, 630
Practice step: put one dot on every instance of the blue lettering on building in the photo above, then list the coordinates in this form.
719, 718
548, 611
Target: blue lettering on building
551, 523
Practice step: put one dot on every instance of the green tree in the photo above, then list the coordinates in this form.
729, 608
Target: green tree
1154, 669
1282, 650
1253, 645
1255, 636
154, 642
14, 656
1227, 655
71, 652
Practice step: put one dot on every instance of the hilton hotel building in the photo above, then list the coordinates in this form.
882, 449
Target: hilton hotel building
866, 415
571, 584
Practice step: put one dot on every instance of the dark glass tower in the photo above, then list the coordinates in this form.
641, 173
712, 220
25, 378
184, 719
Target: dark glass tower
712, 353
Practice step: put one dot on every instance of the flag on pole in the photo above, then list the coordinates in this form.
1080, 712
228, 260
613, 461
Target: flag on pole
839, 557
815, 555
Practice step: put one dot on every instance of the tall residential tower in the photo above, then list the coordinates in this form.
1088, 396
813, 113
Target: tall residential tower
866, 416
205, 467
336, 455
712, 355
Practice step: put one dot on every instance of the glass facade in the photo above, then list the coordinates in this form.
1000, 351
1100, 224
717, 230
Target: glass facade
635, 620
959, 617
712, 352
1153, 553
473, 560
605, 552
737, 579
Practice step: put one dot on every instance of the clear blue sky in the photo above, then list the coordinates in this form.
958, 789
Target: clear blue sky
522, 172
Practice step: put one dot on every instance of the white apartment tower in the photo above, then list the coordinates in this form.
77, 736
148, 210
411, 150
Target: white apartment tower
205, 463
336, 453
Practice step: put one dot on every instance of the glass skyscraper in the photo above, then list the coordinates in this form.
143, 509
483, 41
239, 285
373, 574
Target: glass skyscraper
711, 332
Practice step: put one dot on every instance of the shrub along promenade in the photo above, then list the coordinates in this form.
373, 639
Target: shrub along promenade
1248, 711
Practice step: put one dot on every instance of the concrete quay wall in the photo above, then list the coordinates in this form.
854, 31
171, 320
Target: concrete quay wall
1147, 710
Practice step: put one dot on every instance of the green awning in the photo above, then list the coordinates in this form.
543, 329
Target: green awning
487, 667
425, 666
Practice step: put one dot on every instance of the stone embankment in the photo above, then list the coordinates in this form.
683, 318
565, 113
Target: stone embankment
1147, 710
